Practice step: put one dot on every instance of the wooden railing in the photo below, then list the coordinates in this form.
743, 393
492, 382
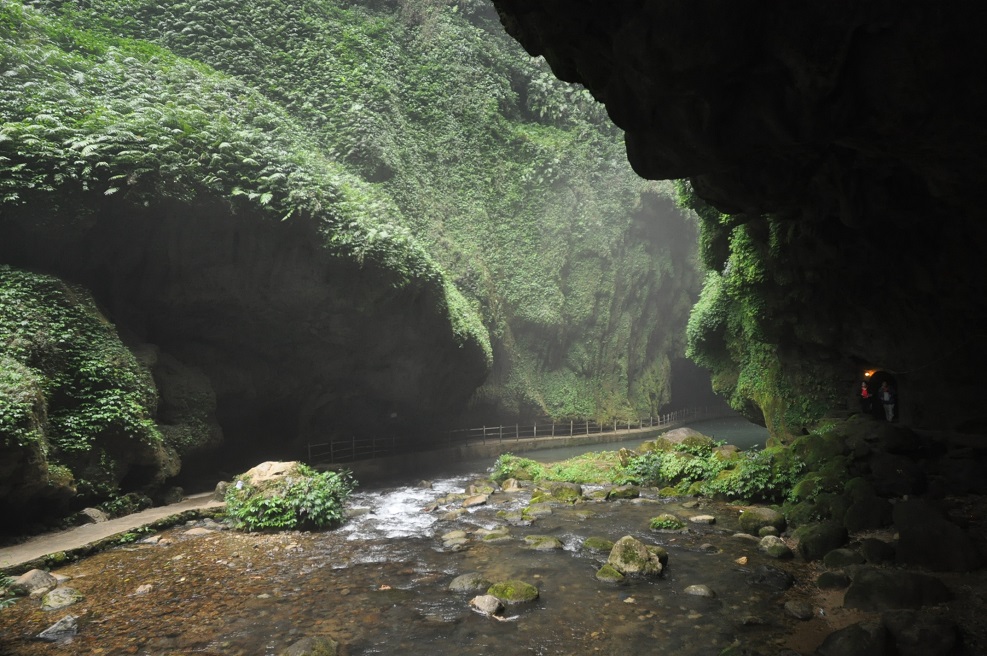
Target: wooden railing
366, 448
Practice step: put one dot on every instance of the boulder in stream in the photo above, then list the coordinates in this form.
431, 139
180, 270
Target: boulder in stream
313, 646
63, 629
513, 591
34, 583
630, 556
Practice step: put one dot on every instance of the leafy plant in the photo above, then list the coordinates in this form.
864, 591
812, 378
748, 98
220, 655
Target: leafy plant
5, 583
312, 500
665, 522
765, 476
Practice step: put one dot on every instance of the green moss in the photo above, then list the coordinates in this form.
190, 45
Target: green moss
609, 574
665, 522
597, 544
513, 591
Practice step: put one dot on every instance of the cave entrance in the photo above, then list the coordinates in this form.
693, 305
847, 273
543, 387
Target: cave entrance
874, 380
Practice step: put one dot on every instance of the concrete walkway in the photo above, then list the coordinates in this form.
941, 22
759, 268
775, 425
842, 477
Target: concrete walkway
52, 548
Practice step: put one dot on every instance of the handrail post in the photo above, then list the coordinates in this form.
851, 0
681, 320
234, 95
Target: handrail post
570, 428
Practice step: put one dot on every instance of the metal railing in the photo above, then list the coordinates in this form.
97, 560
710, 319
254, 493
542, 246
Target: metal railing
366, 448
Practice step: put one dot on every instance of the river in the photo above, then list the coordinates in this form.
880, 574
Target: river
379, 584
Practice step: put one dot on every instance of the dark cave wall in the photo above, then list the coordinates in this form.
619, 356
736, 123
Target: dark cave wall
284, 342
846, 137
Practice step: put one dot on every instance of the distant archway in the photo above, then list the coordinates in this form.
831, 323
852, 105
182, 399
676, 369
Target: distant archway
874, 382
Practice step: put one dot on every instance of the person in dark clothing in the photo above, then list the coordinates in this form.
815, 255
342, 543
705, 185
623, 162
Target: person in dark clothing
886, 394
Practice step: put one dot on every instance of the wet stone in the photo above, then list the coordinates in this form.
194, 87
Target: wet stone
471, 582
34, 583
775, 547
700, 591
61, 630
703, 519
60, 598
773, 578
487, 604
798, 609
832, 581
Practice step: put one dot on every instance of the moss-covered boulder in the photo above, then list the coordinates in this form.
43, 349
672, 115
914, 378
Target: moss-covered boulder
543, 542
754, 518
630, 556
816, 540
609, 574
597, 544
279, 496
513, 591
666, 522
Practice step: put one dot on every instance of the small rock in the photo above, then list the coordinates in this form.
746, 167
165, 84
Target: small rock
475, 500
771, 577
700, 591
513, 591
800, 610
543, 542
453, 535
703, 519
60, 598
471, 582
34, 583
142, 589
754, 518
63, 629
92, 516
842, 558
487, 604
194, 532
832, 581
767, 530
313, 646
775, 547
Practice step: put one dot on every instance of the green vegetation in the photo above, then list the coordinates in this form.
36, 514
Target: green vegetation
69, 389
416, 133
665, 522
5, 583
742, 328
692, 467
311, 500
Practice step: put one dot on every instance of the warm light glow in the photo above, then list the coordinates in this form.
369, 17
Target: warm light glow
869, 373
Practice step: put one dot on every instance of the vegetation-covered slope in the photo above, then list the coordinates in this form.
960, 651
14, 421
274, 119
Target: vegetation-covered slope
512, 180
311, 219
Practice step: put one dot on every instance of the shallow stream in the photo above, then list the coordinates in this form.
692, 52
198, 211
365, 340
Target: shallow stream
379, 585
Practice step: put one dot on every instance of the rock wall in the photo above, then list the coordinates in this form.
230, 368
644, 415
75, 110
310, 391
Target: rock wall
845, 138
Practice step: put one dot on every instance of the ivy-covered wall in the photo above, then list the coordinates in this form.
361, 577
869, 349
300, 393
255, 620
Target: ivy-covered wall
325, 218
514, 182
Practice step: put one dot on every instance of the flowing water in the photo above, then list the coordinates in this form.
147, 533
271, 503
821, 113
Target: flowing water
380, 585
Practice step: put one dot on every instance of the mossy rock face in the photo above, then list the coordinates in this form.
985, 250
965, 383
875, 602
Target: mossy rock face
513, 591
609, 574
666, 522
669, 492
597, 544
662, 444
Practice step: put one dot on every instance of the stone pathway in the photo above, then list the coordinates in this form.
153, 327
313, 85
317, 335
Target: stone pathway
89, 538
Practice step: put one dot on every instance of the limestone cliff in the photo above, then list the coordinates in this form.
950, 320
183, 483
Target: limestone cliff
841, 145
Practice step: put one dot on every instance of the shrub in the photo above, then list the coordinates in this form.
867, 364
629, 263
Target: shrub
666, 522
766, 476
5, 583
313, 500
509, 465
